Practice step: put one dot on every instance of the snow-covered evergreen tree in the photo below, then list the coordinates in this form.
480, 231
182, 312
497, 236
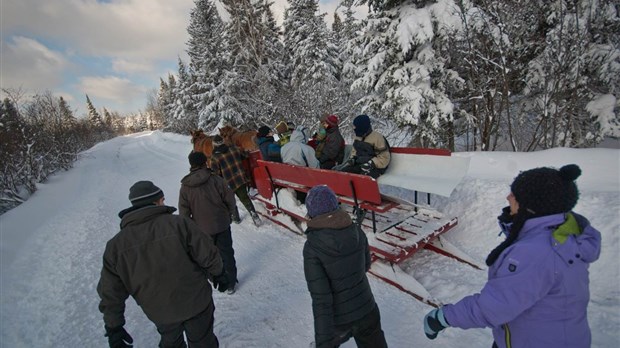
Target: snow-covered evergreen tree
94, 118
573, 85
184, 113
208, 52
344, 32
12, 132
107, 119
164, 97
68, 120
253, 83
167, 99
313, 65
403, 78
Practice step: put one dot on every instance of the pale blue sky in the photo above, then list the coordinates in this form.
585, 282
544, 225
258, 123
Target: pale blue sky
113, 50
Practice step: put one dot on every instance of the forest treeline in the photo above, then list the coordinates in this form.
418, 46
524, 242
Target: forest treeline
477, 75
466, 75
41, 135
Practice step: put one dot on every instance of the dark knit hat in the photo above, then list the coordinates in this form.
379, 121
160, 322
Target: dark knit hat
332, 120
218, 140
361, 125
290, 125
281, 127
197, 159
321, 200
263, 131
144, 193
546, 191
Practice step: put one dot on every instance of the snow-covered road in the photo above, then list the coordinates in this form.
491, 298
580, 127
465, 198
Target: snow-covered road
51, 248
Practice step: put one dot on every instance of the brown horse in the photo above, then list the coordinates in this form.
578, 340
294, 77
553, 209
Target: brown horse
202, 142
244, 140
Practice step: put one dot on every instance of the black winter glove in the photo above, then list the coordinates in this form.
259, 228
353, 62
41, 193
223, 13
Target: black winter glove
220, 282
367, 167
434, 322
235, 218
118, 337
505, 216
505, 221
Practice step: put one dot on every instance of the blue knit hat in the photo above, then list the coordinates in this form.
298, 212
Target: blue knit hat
321, 200
361, 125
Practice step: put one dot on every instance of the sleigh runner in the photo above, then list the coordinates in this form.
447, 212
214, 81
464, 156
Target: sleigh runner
396, 229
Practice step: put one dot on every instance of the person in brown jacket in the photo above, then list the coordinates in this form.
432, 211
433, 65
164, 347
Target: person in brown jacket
208, 200
163, 261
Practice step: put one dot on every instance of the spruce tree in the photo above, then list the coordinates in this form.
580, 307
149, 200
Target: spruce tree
573, 84
252, 85
313, 65
402, 77
207, 49
66, 113
93, 116
184, 112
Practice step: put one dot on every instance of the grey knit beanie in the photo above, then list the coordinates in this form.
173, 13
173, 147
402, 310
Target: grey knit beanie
144, 193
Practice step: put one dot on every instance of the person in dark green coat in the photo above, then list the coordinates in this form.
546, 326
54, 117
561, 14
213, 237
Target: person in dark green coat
163, 261
336, 259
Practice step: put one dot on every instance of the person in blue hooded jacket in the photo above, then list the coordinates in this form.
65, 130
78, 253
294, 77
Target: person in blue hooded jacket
269, 148
537, 291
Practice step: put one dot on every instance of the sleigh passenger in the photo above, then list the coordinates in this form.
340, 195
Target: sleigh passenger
371, 152
331, 151
298, 153
269, 149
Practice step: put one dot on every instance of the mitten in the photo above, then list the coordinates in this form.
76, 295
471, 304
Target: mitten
220, 282
367, 167
235, 218
505, 221
118, 337
434, 322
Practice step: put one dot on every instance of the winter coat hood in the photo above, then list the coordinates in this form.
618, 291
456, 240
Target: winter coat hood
197, 177
326, 233
297, 152
208, 200
300, 135
138, 215
268, 139
559, 228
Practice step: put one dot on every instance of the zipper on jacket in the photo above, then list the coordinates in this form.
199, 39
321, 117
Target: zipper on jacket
507, 336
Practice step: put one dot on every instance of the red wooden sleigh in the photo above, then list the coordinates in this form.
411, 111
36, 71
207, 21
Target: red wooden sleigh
396, 229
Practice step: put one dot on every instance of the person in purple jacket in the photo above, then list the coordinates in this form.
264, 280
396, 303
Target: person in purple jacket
537, 291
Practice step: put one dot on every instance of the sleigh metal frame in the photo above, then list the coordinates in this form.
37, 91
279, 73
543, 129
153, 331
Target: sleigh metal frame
396, 229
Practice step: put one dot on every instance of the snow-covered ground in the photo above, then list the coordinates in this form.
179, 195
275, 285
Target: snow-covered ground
51, 249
